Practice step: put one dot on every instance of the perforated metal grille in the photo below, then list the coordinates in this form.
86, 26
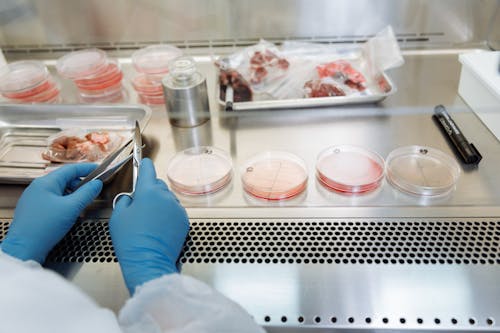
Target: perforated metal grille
344, 242
286, 241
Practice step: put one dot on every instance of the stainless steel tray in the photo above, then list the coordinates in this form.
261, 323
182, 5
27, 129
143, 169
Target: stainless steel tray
297, 103
24, 130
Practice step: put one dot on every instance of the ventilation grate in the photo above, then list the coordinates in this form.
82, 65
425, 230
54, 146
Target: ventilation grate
413, 242
368, 321
403, 39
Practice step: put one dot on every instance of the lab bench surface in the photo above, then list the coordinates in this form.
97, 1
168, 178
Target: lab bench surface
383, 260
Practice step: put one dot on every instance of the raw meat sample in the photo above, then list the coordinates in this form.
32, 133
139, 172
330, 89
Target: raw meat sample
321, 88
342, 70
261, 63
91, 147
241, 88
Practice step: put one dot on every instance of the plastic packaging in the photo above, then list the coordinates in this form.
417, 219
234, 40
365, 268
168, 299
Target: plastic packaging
422, 170
76, 145
274, 175
349, 169
200, 170
260, 64
302, 70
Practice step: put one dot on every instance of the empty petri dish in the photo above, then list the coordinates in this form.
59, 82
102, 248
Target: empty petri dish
422, 170
154, 59
20, 77
274, 175
82, 64
349, 169
200, 170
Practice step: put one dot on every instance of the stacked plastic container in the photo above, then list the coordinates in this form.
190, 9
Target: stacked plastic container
151, 64
97, 77
28, 82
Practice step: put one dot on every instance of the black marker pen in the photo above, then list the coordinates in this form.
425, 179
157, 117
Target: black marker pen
466, 150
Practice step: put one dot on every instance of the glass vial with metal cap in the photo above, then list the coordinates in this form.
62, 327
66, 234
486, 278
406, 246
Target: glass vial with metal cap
185, 91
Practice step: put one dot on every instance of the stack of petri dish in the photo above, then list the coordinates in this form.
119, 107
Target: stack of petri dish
200, 170
97, 77
274, 175
151, 64
349, 169
422, 171
28, 81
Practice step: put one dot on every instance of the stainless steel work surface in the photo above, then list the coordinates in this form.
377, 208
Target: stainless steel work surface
323, 261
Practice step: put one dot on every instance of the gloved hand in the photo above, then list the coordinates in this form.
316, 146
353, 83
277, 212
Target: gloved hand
148, 231
44, 214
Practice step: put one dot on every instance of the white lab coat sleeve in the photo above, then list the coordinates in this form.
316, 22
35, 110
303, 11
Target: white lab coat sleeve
33, 299
181, 304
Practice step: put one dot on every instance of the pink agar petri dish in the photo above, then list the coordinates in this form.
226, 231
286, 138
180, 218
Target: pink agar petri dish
422, 171
23, 78
147, 84
50, 95
274, 175
108, 77
349, 169
200, 170
151, 100
82, 64
154, 59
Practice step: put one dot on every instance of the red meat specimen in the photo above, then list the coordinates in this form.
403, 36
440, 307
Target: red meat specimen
258, 74
74, 148
261, 64
317, 88
342, 69
241, 89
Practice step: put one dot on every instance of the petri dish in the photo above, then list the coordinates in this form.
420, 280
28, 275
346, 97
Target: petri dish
119, 95
20, 77
200, 170
147, 84
274, 175
82, 64
151, 100
107, 77
48, 96
154, 59
421, 170
349, 169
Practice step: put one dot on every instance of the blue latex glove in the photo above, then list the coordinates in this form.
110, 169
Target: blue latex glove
44, 214
148, 232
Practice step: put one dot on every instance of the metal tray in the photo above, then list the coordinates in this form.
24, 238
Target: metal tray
24, 130
297, 103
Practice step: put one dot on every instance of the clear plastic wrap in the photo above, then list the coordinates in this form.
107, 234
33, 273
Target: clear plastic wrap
260, 64
77, 145
313, 70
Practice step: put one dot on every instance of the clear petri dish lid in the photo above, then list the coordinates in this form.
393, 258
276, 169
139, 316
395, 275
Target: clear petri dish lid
154, 59
20, 76
351, 169
82, 64
422, 170
200, 170
274, 175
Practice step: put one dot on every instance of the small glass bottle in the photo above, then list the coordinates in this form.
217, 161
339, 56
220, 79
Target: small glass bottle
185, 91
